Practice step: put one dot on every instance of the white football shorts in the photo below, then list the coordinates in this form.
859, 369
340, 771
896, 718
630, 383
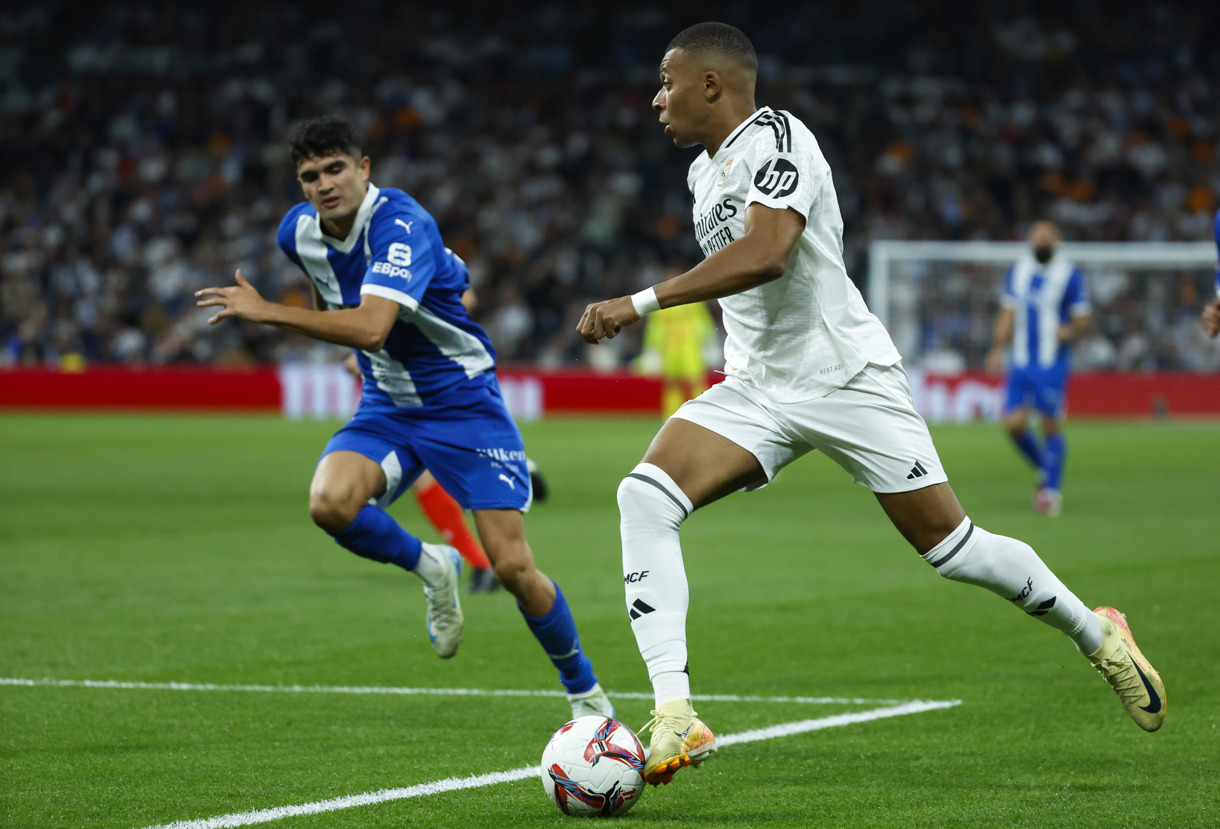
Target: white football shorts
869, 427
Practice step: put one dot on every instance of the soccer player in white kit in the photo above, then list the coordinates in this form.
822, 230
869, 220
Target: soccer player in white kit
808, 367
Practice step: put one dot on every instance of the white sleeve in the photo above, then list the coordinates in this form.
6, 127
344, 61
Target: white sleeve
786, 171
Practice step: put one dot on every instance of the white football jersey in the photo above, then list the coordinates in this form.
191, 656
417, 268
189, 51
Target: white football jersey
807, 333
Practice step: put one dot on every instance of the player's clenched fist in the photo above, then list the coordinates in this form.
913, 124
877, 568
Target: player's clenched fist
603, 320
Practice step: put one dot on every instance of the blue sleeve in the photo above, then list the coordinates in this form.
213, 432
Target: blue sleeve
1217, 232
404, 256
1007, 297
286, 236
1075, 296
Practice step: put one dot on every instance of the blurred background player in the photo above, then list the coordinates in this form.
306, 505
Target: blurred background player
1211, 312
1044, 308
675, 347
431, 400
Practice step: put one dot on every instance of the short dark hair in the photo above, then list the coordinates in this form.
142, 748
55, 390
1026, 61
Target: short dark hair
322, 137
717, 37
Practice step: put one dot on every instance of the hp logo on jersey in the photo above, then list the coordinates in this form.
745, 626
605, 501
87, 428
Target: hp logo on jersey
777, 178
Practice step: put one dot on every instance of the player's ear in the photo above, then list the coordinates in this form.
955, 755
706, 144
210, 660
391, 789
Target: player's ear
713, 86
366, 164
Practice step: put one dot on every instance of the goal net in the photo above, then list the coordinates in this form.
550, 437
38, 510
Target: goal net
939, 301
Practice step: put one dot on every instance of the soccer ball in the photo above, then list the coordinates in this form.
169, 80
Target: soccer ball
593, 767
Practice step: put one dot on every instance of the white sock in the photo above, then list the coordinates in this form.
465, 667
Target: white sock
431, 567
652, 509
1012, 569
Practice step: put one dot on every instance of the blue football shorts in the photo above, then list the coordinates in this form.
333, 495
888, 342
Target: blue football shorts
1040, 388
473, 449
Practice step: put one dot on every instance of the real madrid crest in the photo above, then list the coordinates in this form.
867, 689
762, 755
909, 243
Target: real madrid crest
724, 173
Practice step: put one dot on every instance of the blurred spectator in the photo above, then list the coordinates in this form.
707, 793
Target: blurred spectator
146, 147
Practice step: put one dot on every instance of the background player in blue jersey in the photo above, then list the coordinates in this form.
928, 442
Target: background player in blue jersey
1211, 311
431, 400
1044, 308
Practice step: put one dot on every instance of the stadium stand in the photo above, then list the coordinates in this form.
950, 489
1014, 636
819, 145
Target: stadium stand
145, 155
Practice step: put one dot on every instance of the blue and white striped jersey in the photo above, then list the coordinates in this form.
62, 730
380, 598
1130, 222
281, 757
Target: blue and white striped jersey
1217, 231
1042, 298
394, 251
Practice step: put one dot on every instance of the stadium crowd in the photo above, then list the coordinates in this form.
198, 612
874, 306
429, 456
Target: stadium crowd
145, 147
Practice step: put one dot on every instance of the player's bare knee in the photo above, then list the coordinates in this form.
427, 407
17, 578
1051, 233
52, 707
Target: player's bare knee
514, 573
330, 511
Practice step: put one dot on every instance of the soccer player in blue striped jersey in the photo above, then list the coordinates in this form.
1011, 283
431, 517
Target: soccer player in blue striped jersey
1044, 308
1211, 311
386, 286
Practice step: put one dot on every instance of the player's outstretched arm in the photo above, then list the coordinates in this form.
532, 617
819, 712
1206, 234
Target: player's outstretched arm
365, 327
761, 255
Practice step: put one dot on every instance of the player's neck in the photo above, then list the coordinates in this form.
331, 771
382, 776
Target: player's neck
723, 126
341, 227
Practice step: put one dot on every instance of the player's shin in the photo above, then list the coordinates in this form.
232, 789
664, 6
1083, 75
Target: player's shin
652, 509
1028, 446
375, 535
556, 632
1053, 456
1011, 569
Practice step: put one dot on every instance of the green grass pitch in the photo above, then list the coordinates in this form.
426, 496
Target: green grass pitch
178, 549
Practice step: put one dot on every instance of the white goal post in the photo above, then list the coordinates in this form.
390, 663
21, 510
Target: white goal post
892, 284
939, 300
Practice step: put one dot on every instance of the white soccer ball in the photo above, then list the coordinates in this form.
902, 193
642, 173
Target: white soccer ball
593, 767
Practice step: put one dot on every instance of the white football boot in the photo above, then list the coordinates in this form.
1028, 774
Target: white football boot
593, 702
445, 621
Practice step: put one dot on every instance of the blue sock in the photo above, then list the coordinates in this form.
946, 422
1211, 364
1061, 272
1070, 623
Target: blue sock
374, 534
1028, 444
556, 632
1052, 460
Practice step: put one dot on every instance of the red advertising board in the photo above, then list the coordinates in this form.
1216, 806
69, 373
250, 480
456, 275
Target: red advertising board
113, 387
975, 395
305, 391
301, 390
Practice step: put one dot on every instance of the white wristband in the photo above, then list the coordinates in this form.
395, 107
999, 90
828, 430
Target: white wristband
645, 302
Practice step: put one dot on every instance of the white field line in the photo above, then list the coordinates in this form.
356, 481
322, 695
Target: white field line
457, 783
458, 692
